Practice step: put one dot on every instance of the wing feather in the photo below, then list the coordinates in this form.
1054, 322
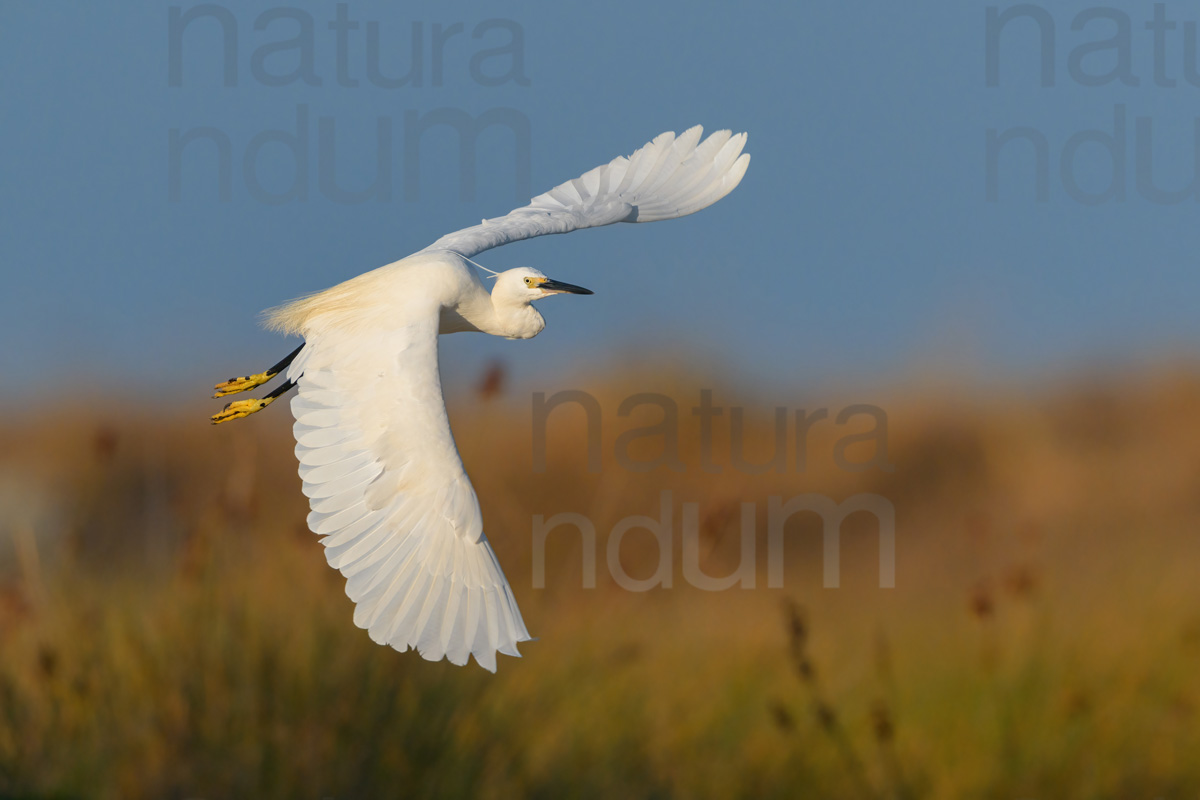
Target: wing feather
388, 493
671, 176
360, 477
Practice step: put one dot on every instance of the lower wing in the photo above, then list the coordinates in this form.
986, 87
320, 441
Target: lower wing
389, 495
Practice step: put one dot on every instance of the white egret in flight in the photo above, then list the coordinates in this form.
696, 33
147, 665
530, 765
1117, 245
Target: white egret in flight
386, 485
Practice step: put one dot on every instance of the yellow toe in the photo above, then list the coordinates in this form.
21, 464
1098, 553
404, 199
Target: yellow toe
235, 385
241, 408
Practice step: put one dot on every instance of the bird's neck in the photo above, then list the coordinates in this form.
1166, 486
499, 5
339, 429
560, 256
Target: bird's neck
499, 316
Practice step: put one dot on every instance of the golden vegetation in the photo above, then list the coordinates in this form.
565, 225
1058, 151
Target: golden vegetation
169, 627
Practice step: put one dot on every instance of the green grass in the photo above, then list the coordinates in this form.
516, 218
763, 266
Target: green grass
173, 630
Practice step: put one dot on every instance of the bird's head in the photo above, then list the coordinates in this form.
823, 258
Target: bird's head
523, 285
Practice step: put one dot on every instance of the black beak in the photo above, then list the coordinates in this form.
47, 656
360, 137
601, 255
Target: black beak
558, 286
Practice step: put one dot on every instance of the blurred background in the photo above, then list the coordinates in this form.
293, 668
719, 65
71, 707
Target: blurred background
976, 219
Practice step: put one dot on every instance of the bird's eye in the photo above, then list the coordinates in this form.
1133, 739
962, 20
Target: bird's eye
529, 281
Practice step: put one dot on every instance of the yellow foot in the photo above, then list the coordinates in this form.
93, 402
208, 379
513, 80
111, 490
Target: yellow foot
241, 408
235, 385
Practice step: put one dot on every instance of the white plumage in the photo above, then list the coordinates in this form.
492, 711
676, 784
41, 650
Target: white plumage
390, 496
670, 177
388, 491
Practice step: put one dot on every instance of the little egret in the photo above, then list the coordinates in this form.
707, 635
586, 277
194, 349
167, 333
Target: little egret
385, 482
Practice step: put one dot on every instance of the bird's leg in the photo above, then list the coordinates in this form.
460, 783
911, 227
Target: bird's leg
244, 408
235, 385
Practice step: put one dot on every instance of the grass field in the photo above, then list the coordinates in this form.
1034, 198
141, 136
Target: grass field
169, 627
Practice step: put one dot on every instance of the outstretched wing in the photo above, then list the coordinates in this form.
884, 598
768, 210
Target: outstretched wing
389, 495
670, 177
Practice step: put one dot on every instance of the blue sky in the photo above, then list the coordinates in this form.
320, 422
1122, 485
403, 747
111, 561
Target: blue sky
860, 245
